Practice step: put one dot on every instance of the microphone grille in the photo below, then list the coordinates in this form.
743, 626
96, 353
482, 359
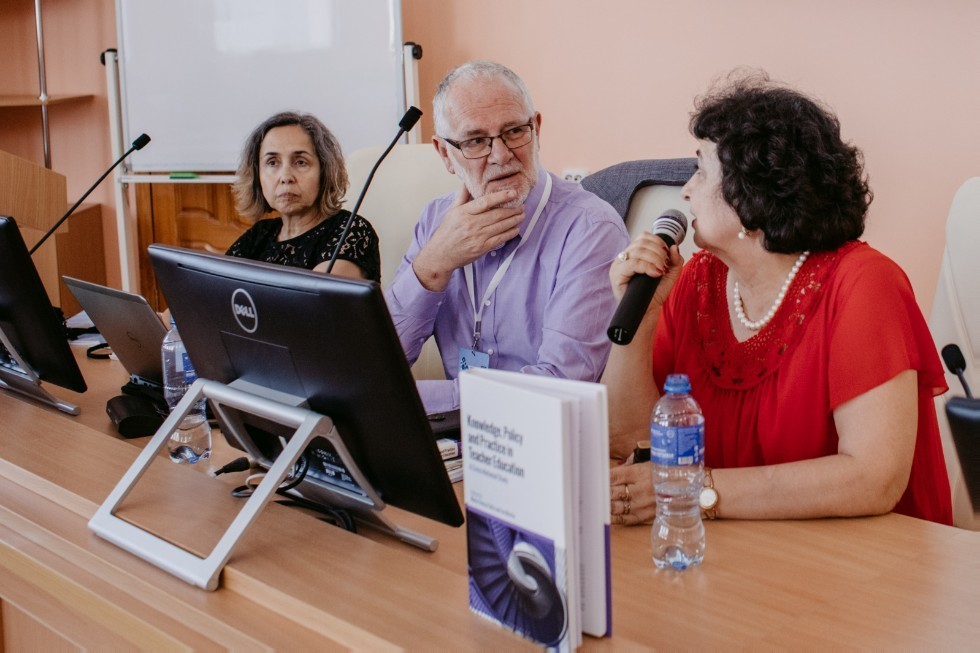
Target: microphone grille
141, 141
953, 357
409, 119
672, 224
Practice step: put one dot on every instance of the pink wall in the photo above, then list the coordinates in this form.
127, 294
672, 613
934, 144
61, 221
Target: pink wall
615, 81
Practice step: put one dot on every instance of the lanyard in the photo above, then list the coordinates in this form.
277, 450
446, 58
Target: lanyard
502, 270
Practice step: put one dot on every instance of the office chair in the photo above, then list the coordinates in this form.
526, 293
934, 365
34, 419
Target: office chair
409, 177
955, 320
641, 191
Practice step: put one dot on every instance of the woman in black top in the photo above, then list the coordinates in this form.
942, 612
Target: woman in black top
292, 164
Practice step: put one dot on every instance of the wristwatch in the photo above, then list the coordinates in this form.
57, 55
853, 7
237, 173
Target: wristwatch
709, 496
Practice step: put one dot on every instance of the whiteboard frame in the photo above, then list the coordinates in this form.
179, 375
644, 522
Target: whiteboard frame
198, 84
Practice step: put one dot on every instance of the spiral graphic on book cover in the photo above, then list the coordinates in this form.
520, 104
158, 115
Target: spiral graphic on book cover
512, 579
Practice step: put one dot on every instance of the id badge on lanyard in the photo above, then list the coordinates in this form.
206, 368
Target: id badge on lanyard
473, 357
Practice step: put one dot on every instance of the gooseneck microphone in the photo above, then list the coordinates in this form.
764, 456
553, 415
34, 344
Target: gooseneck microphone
670, 227
405, 124
138, 144
953, 357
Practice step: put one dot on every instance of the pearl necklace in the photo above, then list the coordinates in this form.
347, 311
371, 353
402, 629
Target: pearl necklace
740, 310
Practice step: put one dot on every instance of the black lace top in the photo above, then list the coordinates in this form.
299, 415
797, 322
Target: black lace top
313, 247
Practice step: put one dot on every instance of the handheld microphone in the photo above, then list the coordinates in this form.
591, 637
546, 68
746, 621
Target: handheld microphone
953, 357
405, 124
670, 227
138, 144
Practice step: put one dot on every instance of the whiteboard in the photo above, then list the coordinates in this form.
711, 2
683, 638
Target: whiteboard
199, 75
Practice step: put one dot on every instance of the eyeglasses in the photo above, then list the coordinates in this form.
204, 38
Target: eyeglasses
477, 148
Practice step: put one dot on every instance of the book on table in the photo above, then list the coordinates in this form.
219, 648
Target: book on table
449, 448
536, 464
451, 451
454, 468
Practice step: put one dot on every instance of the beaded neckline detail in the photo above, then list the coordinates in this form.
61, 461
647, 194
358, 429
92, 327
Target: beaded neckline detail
758, 324
735, 364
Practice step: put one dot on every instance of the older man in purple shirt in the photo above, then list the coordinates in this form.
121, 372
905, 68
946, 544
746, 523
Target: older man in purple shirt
511, 272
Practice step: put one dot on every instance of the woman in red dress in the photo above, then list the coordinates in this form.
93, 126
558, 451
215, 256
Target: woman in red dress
805, 347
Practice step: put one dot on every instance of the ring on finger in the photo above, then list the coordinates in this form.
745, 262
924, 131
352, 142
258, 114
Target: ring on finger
623, 256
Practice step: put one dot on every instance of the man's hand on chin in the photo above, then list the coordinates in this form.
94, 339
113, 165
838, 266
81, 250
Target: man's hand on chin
470, 229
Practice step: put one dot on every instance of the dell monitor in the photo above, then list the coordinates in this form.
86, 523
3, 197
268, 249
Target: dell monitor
328, 341
33, 339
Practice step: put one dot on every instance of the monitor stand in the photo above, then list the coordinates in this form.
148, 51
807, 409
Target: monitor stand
22, 380
364, 504
228, 403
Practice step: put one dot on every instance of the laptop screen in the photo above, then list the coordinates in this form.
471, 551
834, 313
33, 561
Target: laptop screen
128, 323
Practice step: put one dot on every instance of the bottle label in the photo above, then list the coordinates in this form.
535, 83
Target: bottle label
184, 363
677, 445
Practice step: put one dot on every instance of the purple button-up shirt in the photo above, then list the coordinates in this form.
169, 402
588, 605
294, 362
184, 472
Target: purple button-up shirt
549, 314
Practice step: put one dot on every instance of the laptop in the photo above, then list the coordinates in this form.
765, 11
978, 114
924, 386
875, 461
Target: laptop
130, 326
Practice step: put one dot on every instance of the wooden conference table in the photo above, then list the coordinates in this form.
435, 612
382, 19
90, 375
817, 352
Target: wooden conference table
297, 583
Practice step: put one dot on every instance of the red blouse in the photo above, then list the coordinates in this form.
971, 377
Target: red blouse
848, 323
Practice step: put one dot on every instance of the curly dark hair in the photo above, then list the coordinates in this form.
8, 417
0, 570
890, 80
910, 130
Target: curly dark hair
247, 189
785, 169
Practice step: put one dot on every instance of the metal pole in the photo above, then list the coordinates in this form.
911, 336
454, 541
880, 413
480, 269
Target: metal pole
42, 80
125, 227
411, 53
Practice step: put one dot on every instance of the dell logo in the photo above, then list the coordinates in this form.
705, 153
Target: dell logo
243, 308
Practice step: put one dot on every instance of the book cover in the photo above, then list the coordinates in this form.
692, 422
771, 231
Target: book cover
535, 459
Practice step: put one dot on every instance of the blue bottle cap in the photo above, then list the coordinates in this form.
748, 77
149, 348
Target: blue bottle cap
677, 384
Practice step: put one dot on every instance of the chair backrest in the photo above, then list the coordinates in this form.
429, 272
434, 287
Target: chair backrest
955, 320
406, 181
641, 191
649, 203
409, 178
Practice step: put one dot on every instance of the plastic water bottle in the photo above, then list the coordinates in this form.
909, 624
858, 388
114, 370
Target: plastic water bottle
677, 454
191, 442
